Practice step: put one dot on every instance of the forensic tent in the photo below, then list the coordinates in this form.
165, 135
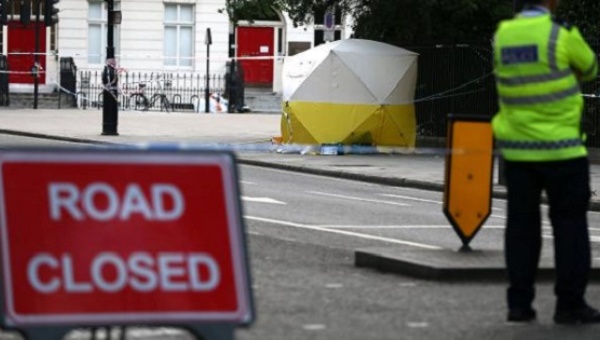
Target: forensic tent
350, 92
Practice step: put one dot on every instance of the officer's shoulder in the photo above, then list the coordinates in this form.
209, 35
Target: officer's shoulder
563, 23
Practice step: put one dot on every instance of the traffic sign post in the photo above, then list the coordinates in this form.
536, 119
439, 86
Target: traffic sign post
98, 238
329, 23
468, 176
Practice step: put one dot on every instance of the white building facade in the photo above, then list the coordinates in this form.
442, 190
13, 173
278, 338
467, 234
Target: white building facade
162, 36
159, 35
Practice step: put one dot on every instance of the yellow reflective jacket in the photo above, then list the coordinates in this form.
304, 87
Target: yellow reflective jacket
538, 66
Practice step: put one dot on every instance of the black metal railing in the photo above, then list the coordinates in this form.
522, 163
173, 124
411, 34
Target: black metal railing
68, 80
4, 95
137, 90
459, 79
453, 79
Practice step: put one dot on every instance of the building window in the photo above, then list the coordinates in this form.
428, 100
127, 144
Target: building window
53, 38
179, 35
97, 31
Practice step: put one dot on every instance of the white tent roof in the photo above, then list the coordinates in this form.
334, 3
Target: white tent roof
351, 71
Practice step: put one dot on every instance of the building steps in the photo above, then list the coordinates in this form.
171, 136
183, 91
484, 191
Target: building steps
45, 101
263, 101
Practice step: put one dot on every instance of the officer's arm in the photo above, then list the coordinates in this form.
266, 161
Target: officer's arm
582, 58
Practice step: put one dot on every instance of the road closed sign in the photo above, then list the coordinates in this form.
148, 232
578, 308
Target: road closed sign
108, 237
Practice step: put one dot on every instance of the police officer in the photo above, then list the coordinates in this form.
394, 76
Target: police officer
539, 63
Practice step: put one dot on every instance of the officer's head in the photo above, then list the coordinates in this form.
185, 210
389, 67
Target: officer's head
551, 4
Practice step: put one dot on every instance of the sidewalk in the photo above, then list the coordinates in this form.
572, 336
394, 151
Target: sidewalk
251, 132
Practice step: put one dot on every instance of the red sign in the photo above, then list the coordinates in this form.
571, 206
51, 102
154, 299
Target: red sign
117, 238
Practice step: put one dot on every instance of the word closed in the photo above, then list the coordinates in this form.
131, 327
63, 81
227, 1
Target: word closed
110, 273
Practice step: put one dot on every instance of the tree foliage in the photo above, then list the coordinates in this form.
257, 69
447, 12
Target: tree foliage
251, 9
585, 14
411, 22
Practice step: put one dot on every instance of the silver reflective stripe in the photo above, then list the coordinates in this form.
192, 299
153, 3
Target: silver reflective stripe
525, 80
541, 99
539, 145
552, 47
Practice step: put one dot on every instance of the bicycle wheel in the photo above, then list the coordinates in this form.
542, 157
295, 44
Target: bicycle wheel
166, 103
158, 100
138, 102
154, 101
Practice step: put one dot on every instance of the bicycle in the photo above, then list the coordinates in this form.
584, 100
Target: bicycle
138, 98
141, 102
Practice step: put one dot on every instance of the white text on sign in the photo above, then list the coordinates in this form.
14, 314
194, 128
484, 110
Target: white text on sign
80, 203
141, 272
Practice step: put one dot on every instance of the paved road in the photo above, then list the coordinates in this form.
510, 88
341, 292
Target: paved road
303, 230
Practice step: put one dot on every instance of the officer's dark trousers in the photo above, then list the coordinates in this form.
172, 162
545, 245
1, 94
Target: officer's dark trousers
567, 187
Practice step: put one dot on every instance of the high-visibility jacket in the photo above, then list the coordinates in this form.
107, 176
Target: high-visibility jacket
538, 66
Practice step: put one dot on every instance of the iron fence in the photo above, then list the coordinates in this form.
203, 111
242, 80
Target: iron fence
459, 79
68, 80
156, 91
4, 96
453, 79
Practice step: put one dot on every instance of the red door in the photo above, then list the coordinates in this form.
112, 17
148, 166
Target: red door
21, 46
256, 42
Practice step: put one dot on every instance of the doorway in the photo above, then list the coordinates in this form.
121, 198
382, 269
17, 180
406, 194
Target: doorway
21, 49
256, 42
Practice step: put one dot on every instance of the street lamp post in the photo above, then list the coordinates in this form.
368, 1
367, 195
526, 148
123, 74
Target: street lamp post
36, 58
110, 108
208, 42
232, 68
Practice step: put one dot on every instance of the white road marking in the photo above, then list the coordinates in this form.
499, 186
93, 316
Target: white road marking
545, 226
502, 217
343, 232
262, 200
412, 198
417, 324
248, 183
314, 327
334, 285
357, 198
444, 226
289, 173
422, 200
593, 239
